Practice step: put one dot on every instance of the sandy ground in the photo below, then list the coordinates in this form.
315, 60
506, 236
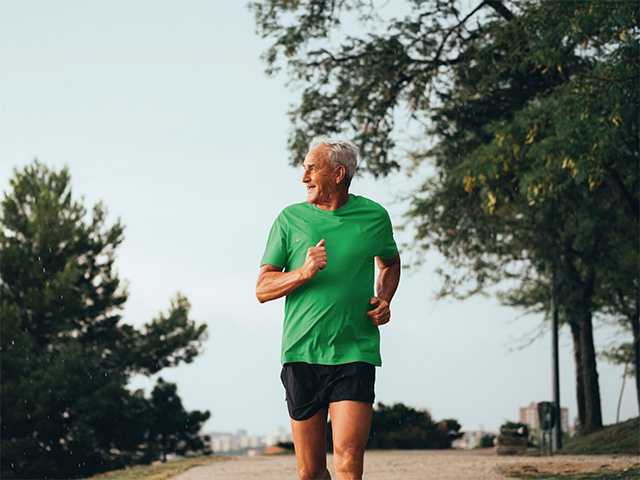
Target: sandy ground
413, 465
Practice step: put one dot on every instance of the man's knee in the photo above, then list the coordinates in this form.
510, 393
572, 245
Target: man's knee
306, 473
348, 459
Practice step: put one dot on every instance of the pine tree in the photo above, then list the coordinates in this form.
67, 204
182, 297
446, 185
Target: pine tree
66, 356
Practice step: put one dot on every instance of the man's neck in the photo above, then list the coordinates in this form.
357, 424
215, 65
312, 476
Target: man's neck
336, 201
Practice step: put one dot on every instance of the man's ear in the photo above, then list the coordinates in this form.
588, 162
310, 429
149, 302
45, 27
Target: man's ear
342, 174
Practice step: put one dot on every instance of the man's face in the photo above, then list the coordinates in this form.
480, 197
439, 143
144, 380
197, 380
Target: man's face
319, 176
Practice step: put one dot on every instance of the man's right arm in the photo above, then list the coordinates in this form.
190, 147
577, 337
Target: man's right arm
274, 283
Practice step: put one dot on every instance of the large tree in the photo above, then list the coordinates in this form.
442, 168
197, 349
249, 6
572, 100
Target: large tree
66, 356
529, 111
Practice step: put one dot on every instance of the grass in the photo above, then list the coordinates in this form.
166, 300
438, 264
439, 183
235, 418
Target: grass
158, 471
628, 474
617, 439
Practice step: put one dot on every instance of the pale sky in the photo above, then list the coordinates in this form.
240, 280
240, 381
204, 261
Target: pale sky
163, 111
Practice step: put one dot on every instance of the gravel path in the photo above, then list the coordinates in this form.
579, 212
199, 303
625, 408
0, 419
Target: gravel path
410, 465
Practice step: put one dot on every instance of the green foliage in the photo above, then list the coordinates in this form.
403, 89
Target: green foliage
355, 89
66, 358
621, 355
401, 427
487, 440
530, 117
515, 429
173, 428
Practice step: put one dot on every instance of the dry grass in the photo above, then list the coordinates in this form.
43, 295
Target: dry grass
620, 438
589, 470
158, 471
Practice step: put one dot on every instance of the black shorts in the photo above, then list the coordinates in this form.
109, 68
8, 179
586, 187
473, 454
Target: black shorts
310, 386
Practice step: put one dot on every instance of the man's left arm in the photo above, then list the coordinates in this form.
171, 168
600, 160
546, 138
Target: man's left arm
386, 286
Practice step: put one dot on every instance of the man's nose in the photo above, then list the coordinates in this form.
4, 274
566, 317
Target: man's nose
305, 176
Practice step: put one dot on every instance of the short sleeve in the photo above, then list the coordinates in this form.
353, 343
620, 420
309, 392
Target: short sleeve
387, 247
275, 252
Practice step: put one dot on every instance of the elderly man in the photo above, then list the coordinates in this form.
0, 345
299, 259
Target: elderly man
320, 255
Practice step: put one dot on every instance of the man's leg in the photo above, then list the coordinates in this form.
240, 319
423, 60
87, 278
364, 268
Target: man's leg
310, 441
350, 424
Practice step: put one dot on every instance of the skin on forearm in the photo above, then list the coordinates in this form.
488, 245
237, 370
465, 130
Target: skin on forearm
274, 283
388, 278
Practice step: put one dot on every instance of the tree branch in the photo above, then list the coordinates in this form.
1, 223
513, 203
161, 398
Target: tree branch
499, 7
436, 57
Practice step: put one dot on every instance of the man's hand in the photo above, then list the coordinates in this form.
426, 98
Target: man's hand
381, 314
274, 283
316, 259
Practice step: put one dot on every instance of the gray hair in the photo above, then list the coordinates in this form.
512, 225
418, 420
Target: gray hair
341, 152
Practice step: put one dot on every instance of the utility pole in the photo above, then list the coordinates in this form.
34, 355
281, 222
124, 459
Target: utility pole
556, 438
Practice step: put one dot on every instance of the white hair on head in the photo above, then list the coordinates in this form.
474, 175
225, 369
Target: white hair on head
341, 152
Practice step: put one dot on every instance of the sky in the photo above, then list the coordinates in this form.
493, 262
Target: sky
162, 110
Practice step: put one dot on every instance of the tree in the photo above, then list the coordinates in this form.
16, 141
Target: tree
620, 300
530, 123
532, 209
401, 427
66, 357
621, 355
487, 441
173, 428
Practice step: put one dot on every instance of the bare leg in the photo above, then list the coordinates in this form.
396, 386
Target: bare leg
310, 441
350, 422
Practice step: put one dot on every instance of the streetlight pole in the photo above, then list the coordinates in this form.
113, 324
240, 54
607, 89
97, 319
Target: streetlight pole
556, 439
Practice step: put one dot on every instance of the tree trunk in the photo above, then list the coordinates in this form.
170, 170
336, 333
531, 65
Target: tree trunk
579, 315
592, 405
635, 327
577, 357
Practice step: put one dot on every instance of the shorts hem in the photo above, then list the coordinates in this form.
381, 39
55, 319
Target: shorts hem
307, 415
320, 361
331, 400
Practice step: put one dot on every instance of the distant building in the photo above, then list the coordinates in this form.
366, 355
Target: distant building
236, 443
241, 442
529, 416
280, 435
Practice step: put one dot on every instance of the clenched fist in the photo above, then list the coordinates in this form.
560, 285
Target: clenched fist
381, 314
316, 259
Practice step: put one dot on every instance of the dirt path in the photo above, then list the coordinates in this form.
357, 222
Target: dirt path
411, 465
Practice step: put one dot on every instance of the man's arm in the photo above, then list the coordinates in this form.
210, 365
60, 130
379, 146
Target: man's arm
386, 286
388, 277
274, 283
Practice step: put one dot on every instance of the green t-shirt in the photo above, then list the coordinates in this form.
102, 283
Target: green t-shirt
325, 319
